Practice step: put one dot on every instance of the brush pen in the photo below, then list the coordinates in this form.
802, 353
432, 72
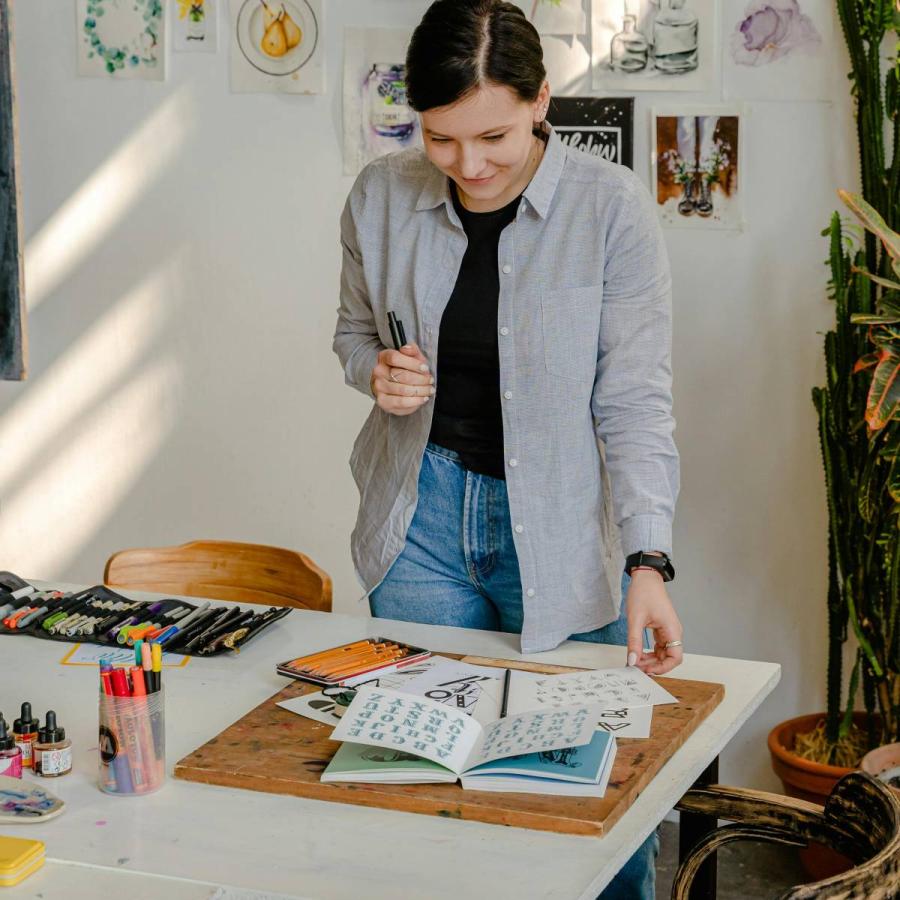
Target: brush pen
398, 335
256, 625
183, 635
221, 622
224, 627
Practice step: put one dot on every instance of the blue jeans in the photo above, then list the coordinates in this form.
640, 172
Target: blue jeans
459, 567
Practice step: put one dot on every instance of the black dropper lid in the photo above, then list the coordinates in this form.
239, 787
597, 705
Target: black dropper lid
50, 733
26, 723
7, 741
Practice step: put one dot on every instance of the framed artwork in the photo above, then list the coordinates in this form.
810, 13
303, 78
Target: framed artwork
195, 26
779, 49
697, 158
12, 299
601, 126
277, 46
377, 118
121, 39
666, 45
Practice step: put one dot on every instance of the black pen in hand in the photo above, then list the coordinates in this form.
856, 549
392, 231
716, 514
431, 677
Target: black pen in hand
398, 335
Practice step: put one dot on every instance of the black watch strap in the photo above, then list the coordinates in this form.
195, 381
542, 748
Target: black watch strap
662, 564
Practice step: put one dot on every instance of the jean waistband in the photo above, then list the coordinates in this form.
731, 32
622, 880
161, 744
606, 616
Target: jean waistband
446, 452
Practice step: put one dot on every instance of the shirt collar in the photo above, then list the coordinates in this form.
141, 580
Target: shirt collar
540, 190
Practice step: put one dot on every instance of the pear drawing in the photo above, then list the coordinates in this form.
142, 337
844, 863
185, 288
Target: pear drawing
292, 32
269, 16
274, 42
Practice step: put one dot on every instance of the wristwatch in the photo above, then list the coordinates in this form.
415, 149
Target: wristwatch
661, 563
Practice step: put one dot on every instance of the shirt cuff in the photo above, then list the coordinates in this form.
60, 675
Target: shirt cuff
646, 533
360, 366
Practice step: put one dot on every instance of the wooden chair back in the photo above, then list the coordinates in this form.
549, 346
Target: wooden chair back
224, 570
861, 819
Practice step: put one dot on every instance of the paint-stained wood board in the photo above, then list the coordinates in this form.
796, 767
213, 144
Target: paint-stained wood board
290, 752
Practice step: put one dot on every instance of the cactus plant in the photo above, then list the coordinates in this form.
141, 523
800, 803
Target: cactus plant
858, 405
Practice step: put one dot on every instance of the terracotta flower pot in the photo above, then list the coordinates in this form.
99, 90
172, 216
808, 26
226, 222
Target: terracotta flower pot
810, 781
884, 763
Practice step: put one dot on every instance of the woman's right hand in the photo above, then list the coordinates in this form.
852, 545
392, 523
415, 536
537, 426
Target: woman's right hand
402, 381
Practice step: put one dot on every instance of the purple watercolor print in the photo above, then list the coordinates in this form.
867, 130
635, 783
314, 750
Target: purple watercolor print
770, 30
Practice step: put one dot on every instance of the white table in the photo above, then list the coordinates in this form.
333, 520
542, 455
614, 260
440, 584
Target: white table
188, 839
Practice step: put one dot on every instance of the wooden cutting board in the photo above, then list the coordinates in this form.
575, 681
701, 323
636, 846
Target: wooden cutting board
290, 752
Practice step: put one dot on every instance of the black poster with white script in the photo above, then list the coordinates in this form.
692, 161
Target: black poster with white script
601, 126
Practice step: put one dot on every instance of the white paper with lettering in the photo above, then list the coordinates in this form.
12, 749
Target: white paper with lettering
625, 722
606, 688
453, 683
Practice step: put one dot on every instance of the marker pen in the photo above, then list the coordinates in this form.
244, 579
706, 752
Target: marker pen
398, 335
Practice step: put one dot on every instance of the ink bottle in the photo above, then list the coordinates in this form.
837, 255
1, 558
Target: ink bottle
10, 753
52, 750
25, 730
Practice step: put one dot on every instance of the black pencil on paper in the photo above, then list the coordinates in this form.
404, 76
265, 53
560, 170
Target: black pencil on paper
505, 694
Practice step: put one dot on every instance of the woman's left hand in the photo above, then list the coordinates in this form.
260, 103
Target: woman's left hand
649, 606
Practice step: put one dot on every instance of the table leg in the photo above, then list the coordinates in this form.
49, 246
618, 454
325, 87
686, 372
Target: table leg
693, 827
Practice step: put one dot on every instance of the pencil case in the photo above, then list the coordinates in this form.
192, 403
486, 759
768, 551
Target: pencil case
98, 615
353, 663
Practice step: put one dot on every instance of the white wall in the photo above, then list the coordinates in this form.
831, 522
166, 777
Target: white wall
182, 270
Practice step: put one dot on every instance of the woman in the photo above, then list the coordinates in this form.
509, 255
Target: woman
534, 284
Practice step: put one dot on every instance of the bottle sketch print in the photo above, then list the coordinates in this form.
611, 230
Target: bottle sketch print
665, 43
655, 45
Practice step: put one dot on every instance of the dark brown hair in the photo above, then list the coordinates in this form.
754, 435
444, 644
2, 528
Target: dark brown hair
461, 44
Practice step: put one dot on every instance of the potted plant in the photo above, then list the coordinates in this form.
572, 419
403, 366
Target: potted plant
858, 431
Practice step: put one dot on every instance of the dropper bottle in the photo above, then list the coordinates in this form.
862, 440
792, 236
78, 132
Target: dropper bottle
10, 753
25, 730
52, 749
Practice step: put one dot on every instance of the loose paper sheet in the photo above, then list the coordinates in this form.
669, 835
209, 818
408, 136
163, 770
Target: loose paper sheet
453, 683
625, 722
605, 688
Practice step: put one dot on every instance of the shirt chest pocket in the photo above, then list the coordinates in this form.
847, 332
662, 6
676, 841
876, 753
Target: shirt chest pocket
570, 323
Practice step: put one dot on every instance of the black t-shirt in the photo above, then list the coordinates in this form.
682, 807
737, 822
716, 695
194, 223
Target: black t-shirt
467, 415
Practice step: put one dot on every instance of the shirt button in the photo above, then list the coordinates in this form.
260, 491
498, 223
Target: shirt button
520, 529
504, 331
530, 592
508, 395
513, 463
507, 269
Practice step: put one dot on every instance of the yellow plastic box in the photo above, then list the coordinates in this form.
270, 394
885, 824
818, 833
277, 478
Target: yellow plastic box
19, 857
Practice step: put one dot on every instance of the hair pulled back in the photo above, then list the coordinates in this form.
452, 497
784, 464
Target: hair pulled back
462, 44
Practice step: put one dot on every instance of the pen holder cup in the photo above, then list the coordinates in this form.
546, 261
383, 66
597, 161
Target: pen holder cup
132, 744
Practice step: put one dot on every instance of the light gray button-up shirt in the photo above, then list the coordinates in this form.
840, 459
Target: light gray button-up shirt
584, 334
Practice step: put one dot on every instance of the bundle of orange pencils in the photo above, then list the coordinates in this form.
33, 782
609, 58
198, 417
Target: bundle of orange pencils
351, 663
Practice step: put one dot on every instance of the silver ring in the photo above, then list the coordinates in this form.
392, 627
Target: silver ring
672, 644
391, 376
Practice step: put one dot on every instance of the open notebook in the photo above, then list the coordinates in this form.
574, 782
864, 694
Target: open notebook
399, 738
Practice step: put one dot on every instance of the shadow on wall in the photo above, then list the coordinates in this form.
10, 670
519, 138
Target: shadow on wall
96, 411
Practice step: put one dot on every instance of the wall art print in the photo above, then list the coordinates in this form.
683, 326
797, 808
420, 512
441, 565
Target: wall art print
12, 299
600, 126
664, 45
377, 118
195, 26
779, 50
277, 46
696, 168
121, 39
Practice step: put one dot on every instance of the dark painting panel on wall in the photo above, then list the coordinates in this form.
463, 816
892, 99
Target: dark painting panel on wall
601, 126
12, 320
